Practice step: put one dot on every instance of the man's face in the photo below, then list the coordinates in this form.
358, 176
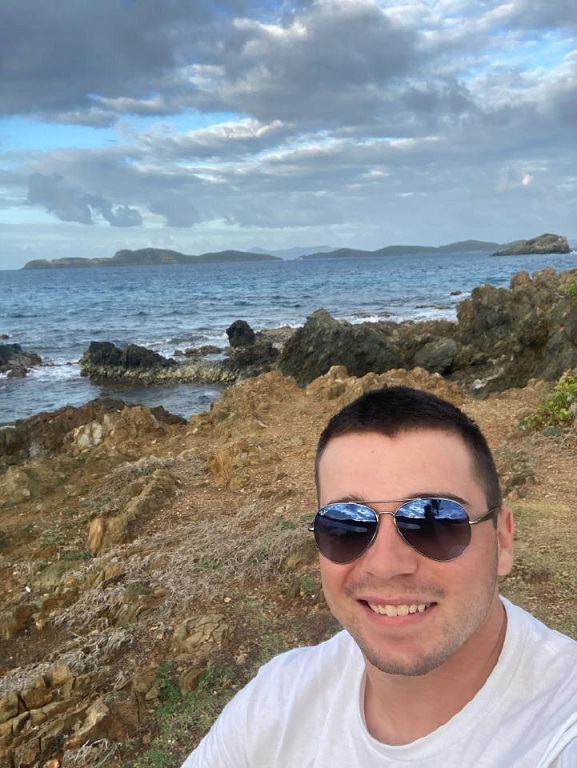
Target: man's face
458, 612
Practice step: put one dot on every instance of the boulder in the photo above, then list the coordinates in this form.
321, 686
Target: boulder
323, 342
14, 361
240, 334
249, 361
437, 355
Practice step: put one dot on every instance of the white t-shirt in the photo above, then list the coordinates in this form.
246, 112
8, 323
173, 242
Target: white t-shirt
304, 710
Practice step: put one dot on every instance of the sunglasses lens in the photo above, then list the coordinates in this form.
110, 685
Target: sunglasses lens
343, 531
437, 528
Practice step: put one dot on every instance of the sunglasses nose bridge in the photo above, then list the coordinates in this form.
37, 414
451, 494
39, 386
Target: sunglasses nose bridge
389, 553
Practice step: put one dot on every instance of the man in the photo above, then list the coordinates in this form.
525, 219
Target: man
433, 669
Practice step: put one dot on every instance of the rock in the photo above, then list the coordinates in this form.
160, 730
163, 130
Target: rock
46, 434
542, 244
251, 361
15, 362
323, 342
437, 355
96, 533
502, 338
240, 334
103, 360
195, 632
509, 337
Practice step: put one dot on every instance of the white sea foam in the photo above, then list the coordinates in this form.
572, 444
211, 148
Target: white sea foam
54, 371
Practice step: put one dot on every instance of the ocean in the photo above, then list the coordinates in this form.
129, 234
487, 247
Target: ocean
57, 313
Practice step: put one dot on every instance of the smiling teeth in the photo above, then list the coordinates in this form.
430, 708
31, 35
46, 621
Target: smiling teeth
398, 610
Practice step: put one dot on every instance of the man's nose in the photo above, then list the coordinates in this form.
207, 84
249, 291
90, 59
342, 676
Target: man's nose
389, 554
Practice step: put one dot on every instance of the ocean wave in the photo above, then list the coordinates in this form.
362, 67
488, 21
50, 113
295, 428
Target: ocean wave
55, 371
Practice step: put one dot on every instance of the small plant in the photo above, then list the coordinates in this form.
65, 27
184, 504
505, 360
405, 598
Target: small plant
178, 712
83, 554
166, 681
571, 290
51, 537
559, 408
308, 584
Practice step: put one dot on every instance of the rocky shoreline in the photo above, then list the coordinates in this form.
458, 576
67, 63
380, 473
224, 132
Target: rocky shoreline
502, 338
147, 559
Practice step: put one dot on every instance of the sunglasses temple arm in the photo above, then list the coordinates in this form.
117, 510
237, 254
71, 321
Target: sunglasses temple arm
487, 516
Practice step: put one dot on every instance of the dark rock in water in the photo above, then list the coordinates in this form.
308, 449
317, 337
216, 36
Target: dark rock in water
15, 362
104, 360
240, 334
323, 342
198, 352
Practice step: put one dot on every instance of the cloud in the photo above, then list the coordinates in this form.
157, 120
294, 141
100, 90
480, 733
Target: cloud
72, 204
361, 117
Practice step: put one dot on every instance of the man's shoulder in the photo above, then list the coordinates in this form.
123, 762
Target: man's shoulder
534, 630
340, 646
541, 654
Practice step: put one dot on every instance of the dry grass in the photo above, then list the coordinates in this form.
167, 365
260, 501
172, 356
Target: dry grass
82, 655
90, 755
124, 482
198, 560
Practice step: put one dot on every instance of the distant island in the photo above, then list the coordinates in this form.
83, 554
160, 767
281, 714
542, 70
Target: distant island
149, 257
542, 244
464, 246
546, 243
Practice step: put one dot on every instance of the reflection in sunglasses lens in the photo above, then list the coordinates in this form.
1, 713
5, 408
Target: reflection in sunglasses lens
436, 528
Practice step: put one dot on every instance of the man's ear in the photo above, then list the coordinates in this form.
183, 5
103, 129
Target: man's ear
505, 534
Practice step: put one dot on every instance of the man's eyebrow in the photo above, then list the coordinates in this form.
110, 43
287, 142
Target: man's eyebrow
359, 498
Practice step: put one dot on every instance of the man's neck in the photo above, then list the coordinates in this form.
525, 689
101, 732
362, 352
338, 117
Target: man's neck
400, 709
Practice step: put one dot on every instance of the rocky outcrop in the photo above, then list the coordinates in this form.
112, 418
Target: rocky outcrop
46, 433
537, 245
323, 342
14, 361
502, 338
104, 360
509, 336
249, 355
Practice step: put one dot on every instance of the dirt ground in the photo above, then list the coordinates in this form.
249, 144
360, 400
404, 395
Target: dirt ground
233, 539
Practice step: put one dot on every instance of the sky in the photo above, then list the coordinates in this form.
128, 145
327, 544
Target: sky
204, 125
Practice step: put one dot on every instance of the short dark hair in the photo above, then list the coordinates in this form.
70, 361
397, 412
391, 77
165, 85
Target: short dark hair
392, 410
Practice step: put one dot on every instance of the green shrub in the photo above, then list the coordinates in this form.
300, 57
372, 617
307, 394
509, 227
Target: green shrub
571, 290
560, 406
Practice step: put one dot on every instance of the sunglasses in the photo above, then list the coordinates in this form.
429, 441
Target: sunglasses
437, 528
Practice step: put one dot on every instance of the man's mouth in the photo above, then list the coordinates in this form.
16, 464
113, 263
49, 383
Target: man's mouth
399, 610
